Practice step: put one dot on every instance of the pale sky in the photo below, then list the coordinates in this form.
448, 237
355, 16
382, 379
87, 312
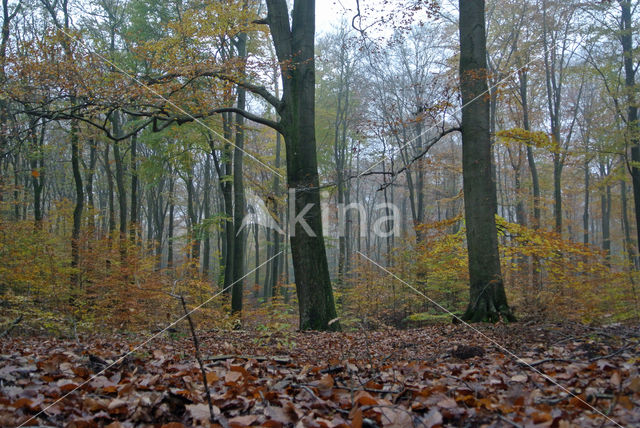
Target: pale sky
329, 13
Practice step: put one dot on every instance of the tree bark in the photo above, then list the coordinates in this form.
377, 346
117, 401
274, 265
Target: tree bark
488, 300
239, 233
170, 262
633, 130
79, 205
585, 214
133, 227
122, 192
294, 47
206, 247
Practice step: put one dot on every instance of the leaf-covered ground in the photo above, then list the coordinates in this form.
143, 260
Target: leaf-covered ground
443, 375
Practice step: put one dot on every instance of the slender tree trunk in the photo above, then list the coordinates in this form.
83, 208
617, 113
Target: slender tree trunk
488, 300
227, 191
557, 191
133, 228
238, 192
170, 262
626, 229
194, 239
16, 187
79, 205
605, 206
535, 181
206, 248
276, 264
256, 243
93, 160
38, 176
585, 214
122, 193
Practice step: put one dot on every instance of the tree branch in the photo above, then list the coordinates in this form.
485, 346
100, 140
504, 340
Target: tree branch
419, 156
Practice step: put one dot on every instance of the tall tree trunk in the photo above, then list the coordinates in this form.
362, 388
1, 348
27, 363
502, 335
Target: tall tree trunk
239, 233
194, 238
111, 224
227, 192
37, 175
626, 229
206, 248
488, 300
93, 159
633, 128
256, 255
133, 228
557, 191
79, 205
7, 17
122, 192
605, 206
294, 44
535, 181
276, 263
585, 214
170, 261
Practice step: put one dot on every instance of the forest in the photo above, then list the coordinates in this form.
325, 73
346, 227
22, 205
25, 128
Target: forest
332, 213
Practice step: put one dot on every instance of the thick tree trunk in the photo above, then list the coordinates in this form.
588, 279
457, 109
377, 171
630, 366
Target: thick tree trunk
488, 300
633, 129
295, 50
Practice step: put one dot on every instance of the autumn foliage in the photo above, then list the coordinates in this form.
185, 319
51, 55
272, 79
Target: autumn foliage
546, 278
119, 285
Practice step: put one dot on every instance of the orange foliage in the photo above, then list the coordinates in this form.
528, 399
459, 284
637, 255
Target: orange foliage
119, 285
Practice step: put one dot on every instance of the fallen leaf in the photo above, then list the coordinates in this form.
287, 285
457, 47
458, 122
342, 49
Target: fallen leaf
521, 378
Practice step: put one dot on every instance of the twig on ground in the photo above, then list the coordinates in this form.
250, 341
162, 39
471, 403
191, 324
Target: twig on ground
283, 359
613, 354
199, 358
509, 421
11, 326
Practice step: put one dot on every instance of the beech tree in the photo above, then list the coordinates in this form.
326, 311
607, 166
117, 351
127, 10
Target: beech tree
487, 297
294, 45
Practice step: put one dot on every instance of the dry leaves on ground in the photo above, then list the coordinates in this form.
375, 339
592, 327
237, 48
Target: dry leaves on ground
438, 376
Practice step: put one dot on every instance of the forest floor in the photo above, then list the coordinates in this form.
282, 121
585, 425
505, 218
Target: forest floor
442, 375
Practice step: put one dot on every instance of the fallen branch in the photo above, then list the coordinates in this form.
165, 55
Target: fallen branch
283, 360
11, 326
547, 360
613, 354
196, 345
